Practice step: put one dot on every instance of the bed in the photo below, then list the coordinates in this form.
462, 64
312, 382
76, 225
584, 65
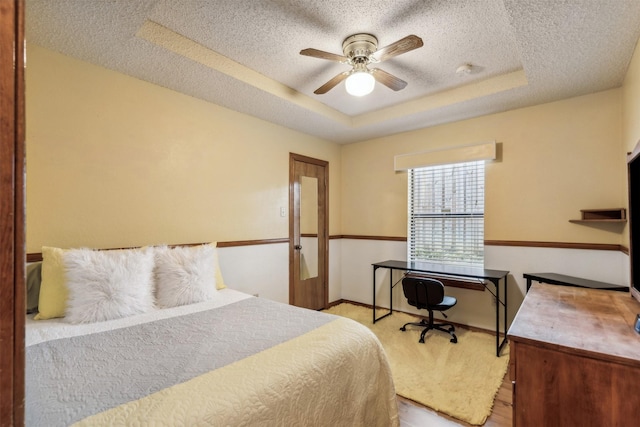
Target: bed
234, 360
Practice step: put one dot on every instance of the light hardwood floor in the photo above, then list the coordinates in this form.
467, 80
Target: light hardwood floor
416, 415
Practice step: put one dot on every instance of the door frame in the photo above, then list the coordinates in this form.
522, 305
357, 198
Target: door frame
322, 242
12, 212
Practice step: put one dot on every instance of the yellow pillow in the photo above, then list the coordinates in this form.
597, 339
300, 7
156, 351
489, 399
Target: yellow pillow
219, 280
53, 289
54, 293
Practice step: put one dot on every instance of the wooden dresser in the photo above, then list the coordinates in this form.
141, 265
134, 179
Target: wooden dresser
575, 358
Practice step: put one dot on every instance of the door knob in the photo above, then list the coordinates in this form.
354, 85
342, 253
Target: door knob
297, 247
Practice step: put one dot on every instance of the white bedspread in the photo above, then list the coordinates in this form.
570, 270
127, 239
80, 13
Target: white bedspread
328, 371
38, 331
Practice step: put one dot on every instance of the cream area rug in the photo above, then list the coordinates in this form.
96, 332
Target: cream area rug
460, 380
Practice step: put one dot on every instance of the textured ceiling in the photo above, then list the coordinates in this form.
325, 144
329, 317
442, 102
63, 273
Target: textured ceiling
244, 54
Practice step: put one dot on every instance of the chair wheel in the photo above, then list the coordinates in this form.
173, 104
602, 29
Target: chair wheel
403, 329
421, 340
454, 339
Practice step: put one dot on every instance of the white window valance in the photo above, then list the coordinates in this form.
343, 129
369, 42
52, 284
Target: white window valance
449, 155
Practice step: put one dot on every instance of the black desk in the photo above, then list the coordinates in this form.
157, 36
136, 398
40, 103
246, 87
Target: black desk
562, 280
493, 276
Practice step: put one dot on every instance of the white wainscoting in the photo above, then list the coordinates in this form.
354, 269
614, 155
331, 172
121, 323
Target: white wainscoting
264, 269
475, 308
257, 269
335, 269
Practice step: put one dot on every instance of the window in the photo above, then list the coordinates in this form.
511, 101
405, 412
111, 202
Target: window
446, 214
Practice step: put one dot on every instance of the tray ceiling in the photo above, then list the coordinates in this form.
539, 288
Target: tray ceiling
244, 54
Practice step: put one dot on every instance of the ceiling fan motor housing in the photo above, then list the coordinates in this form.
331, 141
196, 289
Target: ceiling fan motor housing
359, 47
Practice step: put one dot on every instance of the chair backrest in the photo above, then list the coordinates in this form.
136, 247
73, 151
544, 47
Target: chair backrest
423, 292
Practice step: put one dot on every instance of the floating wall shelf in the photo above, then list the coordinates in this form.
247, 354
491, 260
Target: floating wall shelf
617, 215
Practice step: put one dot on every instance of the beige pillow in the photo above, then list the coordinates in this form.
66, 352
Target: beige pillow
53, 289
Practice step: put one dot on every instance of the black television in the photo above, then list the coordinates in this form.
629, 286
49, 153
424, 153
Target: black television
633, 173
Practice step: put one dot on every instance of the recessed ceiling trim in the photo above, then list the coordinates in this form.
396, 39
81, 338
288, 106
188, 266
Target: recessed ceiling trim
445, 98
181, 45
554, 44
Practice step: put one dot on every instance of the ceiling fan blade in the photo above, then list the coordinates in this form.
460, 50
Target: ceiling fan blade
389, 80
315, 53
332, 83
398, 48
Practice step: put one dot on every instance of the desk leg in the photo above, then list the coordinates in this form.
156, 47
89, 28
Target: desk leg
374, 295
497, 283
390, 291
500, 344
505, 314
528, 284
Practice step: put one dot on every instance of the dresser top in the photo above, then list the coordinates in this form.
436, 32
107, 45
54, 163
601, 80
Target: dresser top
590, 322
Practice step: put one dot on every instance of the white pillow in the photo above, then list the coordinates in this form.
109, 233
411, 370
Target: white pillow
185, 275
106, 285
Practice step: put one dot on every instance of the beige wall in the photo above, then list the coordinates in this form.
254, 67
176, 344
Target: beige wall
115, 161
555, 159
631, 104
631, 115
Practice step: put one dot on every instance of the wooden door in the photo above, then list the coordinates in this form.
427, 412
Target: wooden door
12, 226
308, 232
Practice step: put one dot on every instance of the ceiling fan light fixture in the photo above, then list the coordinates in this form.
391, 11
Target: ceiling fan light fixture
360, 83
361, 50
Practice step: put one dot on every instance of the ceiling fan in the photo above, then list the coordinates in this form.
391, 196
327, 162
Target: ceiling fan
360, 50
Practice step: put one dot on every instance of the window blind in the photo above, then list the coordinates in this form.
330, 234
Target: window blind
446, 214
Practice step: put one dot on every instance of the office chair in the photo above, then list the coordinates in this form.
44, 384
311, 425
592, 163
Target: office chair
426, 293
